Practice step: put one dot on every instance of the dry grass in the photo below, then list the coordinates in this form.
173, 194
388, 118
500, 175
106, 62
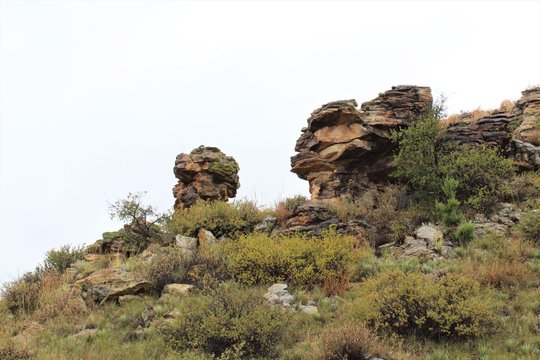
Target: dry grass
477, 114
507, 105
56, 298
451, 120
282, 213
499, 273
352, 340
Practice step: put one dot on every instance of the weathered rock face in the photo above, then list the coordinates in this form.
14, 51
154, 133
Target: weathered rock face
495, 129
345, 149
109, 284
492, 130
525, 145
206, 173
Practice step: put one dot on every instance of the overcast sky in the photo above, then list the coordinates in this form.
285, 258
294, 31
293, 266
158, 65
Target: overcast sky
98, 97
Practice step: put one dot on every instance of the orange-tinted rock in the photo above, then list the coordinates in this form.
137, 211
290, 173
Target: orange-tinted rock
205, 173
344, 149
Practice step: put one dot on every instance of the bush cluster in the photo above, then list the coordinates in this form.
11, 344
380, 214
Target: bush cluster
63, 258
351, 340
222, 219
482, 173
231, 322
410, 303
21, 296
297, 260
529, 226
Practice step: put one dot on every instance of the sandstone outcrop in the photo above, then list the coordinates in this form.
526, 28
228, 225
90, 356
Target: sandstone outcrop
109, 284
344, 150
205, 173
515, 132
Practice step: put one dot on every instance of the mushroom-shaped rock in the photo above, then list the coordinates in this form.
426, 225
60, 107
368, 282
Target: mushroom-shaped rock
344, 149
205, 173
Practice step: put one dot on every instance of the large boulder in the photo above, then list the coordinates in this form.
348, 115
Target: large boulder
205, 173
109, 284
344, 149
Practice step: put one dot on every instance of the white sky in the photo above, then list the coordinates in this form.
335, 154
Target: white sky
98, 97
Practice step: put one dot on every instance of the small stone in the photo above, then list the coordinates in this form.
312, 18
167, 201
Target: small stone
430, 233
309, 309
176, 289
206, 237
187, 244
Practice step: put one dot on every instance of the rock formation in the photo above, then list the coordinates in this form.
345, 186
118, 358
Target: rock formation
496, 129
343, 150
205, 173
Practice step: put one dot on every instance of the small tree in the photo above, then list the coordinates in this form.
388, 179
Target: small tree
142, 223
448, 212
417, 159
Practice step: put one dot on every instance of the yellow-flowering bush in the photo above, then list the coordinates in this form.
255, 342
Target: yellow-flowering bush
216, 216
411, 303
298, 260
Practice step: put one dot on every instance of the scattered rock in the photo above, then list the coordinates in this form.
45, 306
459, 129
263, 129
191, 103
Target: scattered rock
267, 225
176, 289
416, 248
186, 244
277, 294
430, 233
308, 309
206, 237
206, 173
345, 149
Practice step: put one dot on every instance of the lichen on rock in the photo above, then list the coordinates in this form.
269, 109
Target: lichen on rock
205, 173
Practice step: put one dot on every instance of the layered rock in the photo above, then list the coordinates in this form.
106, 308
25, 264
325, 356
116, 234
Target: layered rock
205, 173
496, 130
491, 130
525, 145
344, 150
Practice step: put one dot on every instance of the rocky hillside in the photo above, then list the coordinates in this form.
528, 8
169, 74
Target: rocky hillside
421, 240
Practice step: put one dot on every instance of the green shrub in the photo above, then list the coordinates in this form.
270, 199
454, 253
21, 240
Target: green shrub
231, 321
448, 212
465, 233
216, 216
525, 186
416, 161
351, 340
168, 265
21, 296
410, 303
529, 226
63, 258
298, 260
482, 173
